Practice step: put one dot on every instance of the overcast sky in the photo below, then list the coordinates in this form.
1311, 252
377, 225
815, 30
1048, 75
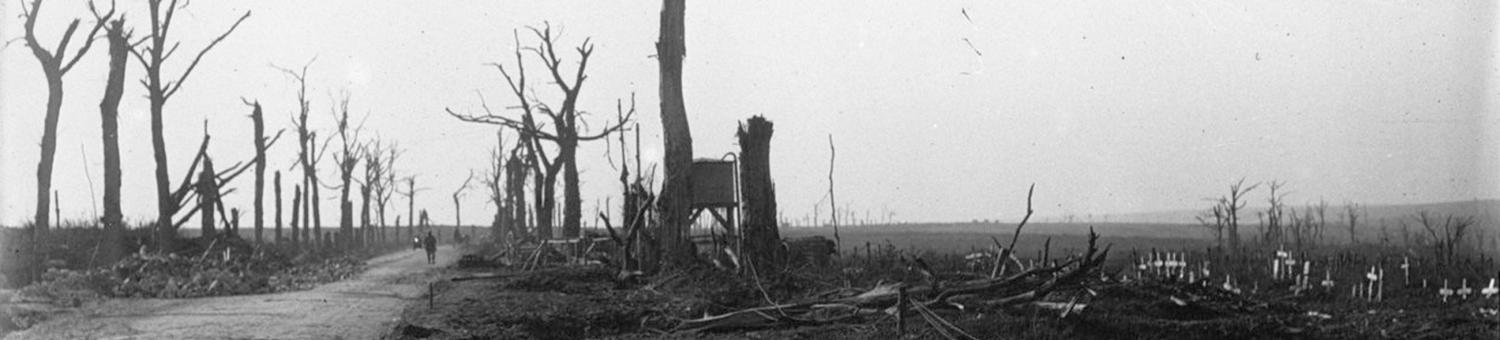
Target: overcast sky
1109, 107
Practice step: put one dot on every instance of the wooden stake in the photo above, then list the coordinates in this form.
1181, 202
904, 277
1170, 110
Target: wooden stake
901, 311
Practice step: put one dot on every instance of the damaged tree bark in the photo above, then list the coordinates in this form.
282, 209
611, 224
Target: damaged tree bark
109, 113
676, 198
762, 241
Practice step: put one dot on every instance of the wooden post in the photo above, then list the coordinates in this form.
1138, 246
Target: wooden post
901, 311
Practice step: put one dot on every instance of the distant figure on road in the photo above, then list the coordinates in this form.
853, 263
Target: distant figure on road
416, 243
430, 243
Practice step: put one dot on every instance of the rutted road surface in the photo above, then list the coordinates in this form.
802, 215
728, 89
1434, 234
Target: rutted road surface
363, 307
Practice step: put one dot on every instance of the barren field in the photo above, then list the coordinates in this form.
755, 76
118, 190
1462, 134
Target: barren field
579, 301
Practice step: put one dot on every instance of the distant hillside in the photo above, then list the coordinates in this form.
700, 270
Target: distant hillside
963, 237
1486, 211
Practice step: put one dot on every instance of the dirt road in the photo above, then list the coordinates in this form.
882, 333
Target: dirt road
364, 307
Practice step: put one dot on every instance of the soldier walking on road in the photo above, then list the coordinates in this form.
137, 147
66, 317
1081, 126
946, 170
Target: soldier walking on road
430, 243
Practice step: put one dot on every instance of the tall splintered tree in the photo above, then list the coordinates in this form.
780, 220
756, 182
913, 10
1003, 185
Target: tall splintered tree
347, 159
515, 191
307, 158
494, 181
378, 184
153, 53
387, 188
458, 215
1276, 214
261, 145
676, 197
762, 240
411, 205
564, 130
277, 184
55, 64
109, 113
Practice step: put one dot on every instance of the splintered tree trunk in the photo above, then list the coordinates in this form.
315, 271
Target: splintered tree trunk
364, 214
296, 210
260, 169
515, 174
676, 196
313, 204
762, 240
411, 208
277, 184
346, 207
572, 201
43, 218
546, 200
109, 113
207, 199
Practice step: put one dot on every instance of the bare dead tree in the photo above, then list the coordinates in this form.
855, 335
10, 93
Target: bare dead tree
565, 132
411, 205
153, 53
516, 173
208, 196
675, 202
366, 230
378, 184
1232, 205
1275, 212
307, 157
277, 184
261, 143
387, 188
494, 181
296, 209
206, 190
458, 217
347, 159
1446, 235
109, 113
55, 63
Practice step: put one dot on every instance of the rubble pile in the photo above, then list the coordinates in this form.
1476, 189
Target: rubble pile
216, 271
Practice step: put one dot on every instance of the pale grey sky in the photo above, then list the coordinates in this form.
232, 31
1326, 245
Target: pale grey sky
1109, 107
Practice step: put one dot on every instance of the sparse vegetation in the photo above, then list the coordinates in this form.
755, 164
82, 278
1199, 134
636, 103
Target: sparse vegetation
659, 271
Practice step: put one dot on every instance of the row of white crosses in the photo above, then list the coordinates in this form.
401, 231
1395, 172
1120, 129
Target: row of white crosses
1168, 264
1373, 289
1284, 266
1464, 291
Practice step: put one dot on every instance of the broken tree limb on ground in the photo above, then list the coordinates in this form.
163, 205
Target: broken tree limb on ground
1024, 287
1007, 251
